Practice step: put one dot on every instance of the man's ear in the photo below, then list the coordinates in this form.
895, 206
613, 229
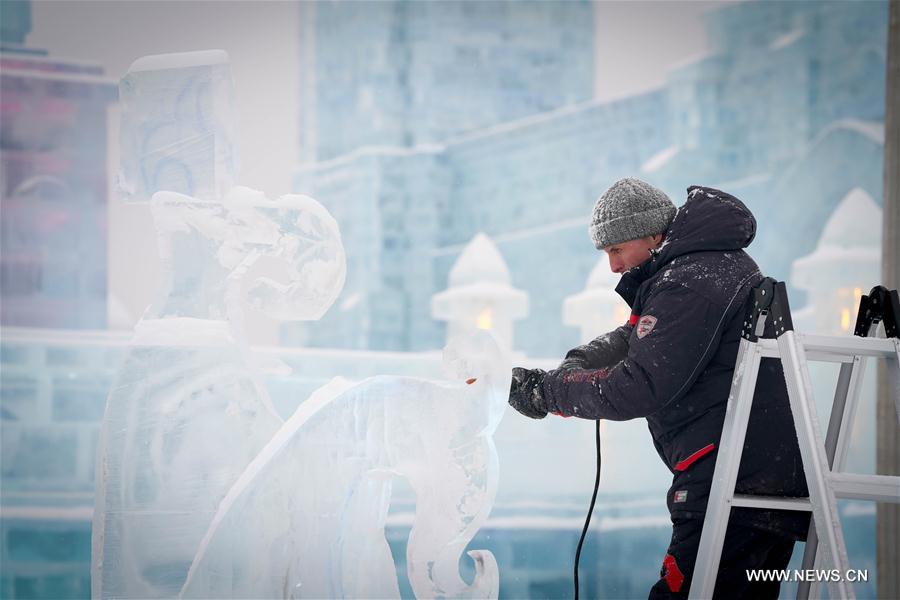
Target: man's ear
658, 238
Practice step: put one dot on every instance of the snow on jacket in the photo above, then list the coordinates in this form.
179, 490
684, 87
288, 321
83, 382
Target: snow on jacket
688, 305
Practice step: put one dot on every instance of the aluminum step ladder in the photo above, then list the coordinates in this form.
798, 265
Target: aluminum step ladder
823, 460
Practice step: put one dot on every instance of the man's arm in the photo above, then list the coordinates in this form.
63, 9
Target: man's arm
602, 352
677, 334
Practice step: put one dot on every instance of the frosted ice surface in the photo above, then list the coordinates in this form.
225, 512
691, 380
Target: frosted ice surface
181, 424
178, 126
296, 230
304, 236
306, 518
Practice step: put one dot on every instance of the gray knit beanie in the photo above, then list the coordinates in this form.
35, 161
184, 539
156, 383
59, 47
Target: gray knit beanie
630, 209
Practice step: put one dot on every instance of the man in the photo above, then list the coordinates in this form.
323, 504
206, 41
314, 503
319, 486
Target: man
688, 282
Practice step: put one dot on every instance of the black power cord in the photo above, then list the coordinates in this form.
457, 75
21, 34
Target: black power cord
587, 521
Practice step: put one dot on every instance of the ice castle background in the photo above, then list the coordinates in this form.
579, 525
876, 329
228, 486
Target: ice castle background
788, 104
424, 137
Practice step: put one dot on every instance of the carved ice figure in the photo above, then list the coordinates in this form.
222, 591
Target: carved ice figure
187, 413
201, 488
306, 519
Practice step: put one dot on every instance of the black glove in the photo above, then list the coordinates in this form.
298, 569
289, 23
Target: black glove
603, 352
572, 362
525, 394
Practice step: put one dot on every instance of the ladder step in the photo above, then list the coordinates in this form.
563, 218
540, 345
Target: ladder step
779, 502
880, 488
877, 488
835, 348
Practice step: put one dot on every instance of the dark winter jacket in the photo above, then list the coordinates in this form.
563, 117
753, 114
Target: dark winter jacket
688, 305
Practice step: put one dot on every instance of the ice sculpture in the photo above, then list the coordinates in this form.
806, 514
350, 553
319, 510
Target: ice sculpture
306, 519
201, 489
188, 414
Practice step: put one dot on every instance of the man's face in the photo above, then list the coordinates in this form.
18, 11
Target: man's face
630, 254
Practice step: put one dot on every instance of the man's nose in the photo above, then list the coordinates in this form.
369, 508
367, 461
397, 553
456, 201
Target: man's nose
615, 265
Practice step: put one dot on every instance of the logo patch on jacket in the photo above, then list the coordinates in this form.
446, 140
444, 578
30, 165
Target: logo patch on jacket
680, 496
645, 325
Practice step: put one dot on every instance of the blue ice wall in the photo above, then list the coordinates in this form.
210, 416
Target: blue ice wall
388, 204
406, 215
403, 73
785, 112
778, 74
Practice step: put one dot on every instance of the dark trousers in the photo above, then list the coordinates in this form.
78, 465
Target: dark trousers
745, 548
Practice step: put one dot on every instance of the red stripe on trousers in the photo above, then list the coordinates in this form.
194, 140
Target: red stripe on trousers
687, 462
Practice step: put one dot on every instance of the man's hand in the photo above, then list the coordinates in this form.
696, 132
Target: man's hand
570, 363
525, 393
